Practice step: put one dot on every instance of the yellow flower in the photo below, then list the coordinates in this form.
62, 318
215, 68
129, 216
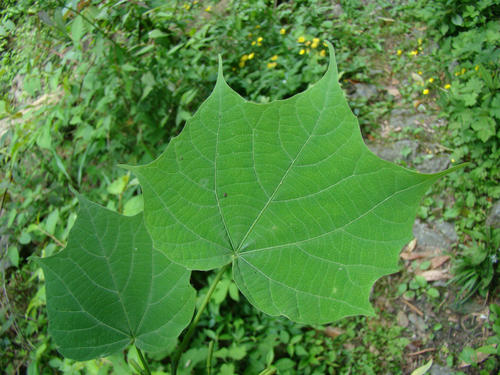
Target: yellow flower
452, 160
244, 57
431, 80
259, 39
186, 6
419, 72
476, 68
326, 45
282, 31
463, 70
308, 43
274, 58
195, 2
257, 26
315, 43
302, 51
241, 64
447, 86
457, 74
414, 52
322, 53
419, 41
308, 50
251, 55
208, 8
301, 39
253, 43
399, 52
271, 65
425, 92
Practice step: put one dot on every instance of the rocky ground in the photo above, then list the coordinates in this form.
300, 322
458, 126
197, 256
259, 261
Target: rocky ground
409, 135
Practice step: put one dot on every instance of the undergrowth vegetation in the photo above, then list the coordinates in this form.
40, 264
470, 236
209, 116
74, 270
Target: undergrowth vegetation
85, 85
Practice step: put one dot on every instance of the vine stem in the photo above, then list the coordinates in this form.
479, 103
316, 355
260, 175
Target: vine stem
189, 334
147, 371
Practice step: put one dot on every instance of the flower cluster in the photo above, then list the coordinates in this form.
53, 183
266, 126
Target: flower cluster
258, 42
245, 58
310, 44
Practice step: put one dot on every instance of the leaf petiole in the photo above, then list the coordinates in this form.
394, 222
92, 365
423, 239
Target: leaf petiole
144, 363
189, 334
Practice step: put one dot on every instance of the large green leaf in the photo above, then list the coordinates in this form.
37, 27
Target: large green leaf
289, 193
110, 288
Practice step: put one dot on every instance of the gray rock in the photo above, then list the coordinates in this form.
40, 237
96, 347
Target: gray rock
493, 219
404, 118
364, 90
417, 321
440, 370
395, 151
435, 164
402, 319
439, 235
447, 230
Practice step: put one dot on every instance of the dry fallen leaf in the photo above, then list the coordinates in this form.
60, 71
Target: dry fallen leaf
393, 91
438, 261
434, 275
333, 332
412, 256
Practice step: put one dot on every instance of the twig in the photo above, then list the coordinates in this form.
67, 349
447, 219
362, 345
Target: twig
422, 351
416, 309
58, 242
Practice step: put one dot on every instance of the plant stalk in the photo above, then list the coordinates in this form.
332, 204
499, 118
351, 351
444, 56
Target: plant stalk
189, 334
144, 363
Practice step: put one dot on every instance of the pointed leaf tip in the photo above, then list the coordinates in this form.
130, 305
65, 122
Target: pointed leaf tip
131, 168
332, 66
220, 71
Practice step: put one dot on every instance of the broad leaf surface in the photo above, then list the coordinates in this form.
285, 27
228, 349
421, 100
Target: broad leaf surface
289, 193
110, 288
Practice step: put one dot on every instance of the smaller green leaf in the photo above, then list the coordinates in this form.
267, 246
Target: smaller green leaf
77, 29
13, 254
51, 221
133, 206
118, 186
484, 127
153, 34
457, 20
24, 238
110, 288
423, 369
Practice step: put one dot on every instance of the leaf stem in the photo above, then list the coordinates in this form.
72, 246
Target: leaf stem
189, 334
147, 371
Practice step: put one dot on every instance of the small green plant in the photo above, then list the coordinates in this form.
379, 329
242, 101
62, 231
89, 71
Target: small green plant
468, 36
475, 269
293, 201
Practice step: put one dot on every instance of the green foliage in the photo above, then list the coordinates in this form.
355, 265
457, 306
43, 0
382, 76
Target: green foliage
160, 61
352, 345
469, 37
